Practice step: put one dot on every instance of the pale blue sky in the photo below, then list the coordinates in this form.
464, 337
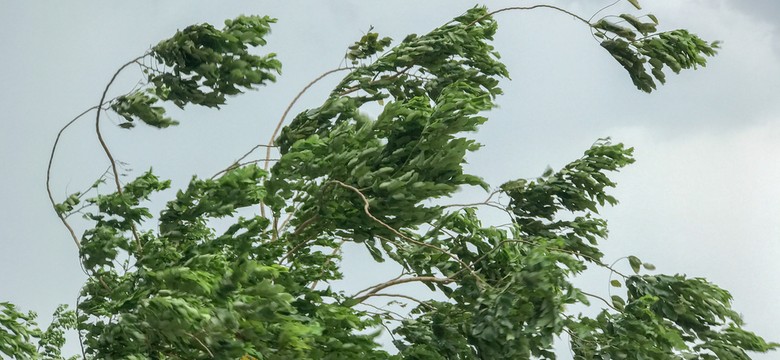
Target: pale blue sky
702, 198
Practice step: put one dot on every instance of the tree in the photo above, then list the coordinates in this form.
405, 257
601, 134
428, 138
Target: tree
240, 265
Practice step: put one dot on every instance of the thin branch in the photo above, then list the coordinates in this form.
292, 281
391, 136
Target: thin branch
236, 165
202, 345
48, 176
402, 274
287, 220
289, 107
398, 73
530, 8
367, 211
403, 296
600, 298
602, 9
300, 228
105, 146
284, 116
238, 161
385, 312
527, 242
388, 284
336, 250
78, 331
484, 202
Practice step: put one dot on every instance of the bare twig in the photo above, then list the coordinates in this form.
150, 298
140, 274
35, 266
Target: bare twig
403, 296
238, 161
543, 6
387, 284
48, 176
602, 9
236, 165
105, 146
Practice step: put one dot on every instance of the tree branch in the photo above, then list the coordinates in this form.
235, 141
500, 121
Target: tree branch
530, 8
367, 211
105, 146
384, 285
48, 176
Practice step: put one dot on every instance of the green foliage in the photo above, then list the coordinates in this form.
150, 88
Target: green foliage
667, 317
202, 66
18, 333
644, 58
205, 280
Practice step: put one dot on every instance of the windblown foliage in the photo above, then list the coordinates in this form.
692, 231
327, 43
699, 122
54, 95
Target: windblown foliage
173, 286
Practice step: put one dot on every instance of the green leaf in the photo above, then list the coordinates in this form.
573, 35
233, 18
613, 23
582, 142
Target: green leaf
616, 283
636, 4
653, 18
635, 263
618, 302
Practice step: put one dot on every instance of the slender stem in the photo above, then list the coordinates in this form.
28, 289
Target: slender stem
388, 284
48, 176
289, 107
78, 331
238, 162
367, 211
600, 298
403, 296
105, 146
543, 6
284, 116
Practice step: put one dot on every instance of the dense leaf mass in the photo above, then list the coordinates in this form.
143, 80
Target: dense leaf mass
212, 277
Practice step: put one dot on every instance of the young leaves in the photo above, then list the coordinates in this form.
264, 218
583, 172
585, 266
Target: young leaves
200, 65
644, 58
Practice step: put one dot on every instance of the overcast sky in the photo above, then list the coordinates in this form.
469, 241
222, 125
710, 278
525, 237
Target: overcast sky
702, 199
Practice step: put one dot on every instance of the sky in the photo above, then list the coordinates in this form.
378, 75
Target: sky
702, 199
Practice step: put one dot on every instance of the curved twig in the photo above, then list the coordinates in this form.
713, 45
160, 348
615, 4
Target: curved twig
48, 176
284, 116
105, 146
403, 296
600, 298
238, 161
238, 165
289, 107
580, 18
384, 285
602, 9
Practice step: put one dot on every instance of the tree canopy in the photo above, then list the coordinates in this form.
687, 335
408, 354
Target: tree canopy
241, 265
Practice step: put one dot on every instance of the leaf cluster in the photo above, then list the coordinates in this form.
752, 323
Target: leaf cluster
205, 280
200, 65
646, 57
